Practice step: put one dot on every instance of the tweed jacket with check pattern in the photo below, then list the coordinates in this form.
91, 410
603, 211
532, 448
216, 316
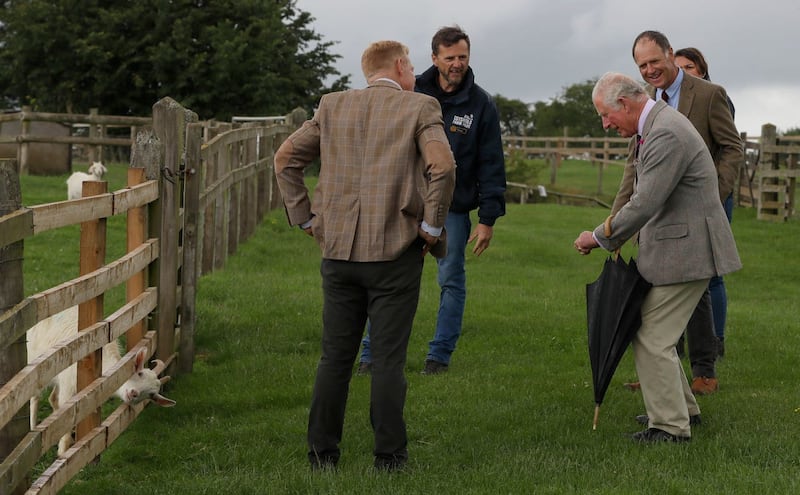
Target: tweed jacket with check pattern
385, 165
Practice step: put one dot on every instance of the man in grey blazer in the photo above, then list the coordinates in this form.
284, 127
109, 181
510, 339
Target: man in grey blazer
706, 106
385, 185
684, 240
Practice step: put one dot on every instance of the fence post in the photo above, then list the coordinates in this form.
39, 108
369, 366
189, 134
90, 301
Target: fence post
249, 202
209, 174
191, 221
24, 145
555, 164
14, 357
169, 125
234, 206
221, 223
600, 169
137, 232
96, 151
767, 186
264, 188
92, 257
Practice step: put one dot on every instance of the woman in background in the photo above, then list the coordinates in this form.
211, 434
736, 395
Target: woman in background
692, 61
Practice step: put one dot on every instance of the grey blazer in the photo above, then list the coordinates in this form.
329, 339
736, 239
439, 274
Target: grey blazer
684, 234
705, 105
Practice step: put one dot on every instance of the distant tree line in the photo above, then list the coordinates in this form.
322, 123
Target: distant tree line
217, 57
572, 110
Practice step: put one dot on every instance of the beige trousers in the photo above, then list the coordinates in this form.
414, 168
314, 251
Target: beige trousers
667, 395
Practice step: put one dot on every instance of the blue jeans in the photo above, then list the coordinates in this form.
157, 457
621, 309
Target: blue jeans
719, 296
452, 280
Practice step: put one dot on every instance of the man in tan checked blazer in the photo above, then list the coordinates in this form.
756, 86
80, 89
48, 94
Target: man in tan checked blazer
385, 184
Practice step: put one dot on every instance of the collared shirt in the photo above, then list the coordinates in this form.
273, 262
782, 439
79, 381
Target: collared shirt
387, 80
645, 112
673, 91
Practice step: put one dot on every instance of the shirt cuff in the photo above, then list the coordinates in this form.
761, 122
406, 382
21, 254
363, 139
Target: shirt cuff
434, 231
598, 242
307, 224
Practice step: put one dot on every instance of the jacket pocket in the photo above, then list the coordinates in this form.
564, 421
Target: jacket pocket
675, 231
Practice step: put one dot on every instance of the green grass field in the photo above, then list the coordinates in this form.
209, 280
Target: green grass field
513, 414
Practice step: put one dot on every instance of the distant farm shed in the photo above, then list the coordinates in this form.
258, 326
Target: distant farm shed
43, 158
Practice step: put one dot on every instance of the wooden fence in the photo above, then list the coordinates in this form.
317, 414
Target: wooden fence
597, 152
768, 176
195, 191
93, 132
776, 172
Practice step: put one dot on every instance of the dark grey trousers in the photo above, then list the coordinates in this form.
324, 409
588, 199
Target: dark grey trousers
702, 340
387, 293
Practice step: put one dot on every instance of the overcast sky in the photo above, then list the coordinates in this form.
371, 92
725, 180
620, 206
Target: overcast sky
531, 50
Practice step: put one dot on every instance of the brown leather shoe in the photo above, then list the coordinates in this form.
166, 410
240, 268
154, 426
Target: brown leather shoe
632, 386
702, 385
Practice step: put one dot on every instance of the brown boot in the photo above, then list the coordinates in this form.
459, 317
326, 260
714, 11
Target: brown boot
704, 386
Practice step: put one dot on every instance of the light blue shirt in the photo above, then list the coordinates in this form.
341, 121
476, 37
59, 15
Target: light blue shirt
673, 91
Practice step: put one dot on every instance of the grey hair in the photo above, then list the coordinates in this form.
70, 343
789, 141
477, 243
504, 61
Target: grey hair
612, 86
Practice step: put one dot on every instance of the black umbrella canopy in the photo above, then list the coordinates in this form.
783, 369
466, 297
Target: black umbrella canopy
613, 310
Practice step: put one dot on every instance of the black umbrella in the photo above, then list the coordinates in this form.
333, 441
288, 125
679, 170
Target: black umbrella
613, 310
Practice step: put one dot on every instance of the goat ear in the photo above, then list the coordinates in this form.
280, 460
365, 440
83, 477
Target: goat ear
162, 401
140, 357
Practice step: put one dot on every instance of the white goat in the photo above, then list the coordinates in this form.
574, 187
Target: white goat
75, 182
143, 384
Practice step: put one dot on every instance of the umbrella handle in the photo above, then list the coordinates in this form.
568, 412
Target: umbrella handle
596, 414
607, 226
607, 233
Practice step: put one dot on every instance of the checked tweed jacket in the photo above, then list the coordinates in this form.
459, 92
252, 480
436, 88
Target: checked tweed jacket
386, 165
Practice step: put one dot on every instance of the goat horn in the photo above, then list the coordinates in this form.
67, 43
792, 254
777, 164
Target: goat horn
159, 365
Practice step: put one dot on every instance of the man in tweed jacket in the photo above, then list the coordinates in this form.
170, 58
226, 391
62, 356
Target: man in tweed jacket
684, 240
385, 185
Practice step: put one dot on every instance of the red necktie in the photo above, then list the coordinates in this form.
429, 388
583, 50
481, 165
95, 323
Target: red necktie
665, 96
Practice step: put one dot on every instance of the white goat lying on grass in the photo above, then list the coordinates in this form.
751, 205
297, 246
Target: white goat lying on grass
75, 182
143, 384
